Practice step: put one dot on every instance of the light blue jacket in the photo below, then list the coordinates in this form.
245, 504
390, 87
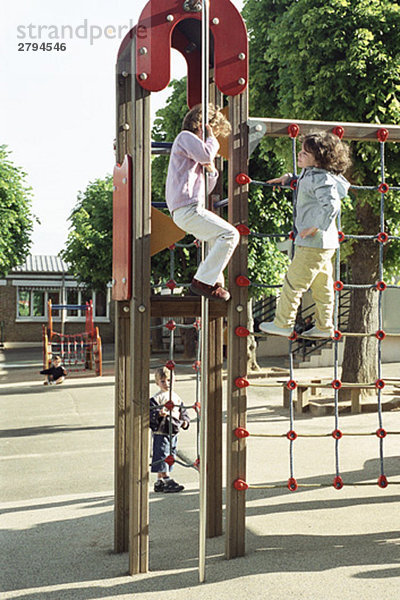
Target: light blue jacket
319, 193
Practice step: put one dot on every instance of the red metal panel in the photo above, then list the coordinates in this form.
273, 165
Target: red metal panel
122, 231
154, 41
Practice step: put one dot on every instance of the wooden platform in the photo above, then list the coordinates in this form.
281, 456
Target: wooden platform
185, 306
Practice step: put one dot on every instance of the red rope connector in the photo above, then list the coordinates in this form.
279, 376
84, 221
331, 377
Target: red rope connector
293, 184
171, 325
293, 130
196, 365
196, 463
339, 131
341, 236
380, 334
170, 365
291, 384
383, 188
292, 484
242, 331
169, 405
338, 286
381, 433
291, 435
240, 485
241, 382
241, 433
171, 284
381, 286
197, 324
379, 384
242, 179
382, 134
293, 336
336, 384
242, 281
338, 482
382, 237
337, 434
172, 247
382, 481
169, 460
337, 335
291, 235
197, 243
243, 229
197, 406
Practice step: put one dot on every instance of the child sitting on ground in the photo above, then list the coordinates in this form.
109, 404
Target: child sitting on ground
185, 196
56, 373
165, 425
320, 188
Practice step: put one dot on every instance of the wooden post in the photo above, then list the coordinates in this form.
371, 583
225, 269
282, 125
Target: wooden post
237, 346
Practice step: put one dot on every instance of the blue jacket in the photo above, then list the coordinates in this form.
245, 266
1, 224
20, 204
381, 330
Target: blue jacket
319, 193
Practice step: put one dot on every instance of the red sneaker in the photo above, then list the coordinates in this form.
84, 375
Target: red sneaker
209, 291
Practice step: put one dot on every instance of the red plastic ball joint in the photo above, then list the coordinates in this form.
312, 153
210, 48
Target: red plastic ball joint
291, 435
197, 243
381, 286
382, 134
197, 324
242, 332
196, 463
382, 237
382, 481
243, 229
169, 405
197, 406
341, 236
337, 335
172, 247
380, 334
338, 482
337, 434
196, 365
336, 384
242, 179
292, 484
381, 433
293, 336
240, 485
241, 382
293, 130
291, 235
339, 131
241, 433
338, 286
171, 325
383, 188
291, 384
170, 365
293, 184
242, 281
379, 384
169, 460
171, 284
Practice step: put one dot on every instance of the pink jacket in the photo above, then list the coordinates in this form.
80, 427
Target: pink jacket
185, 180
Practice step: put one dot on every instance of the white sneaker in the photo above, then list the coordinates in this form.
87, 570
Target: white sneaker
314, 332
272, 329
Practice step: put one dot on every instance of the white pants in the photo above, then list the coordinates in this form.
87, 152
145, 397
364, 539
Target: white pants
208, 227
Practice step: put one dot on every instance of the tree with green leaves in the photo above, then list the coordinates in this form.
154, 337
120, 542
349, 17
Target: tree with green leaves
336, 60
16, 218
89, 245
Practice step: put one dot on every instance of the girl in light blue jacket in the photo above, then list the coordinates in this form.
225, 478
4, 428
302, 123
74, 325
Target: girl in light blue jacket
320, 188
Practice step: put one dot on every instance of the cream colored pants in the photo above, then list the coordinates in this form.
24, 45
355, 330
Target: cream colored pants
311, 268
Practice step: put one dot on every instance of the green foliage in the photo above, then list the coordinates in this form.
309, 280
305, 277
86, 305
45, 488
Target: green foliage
16, 219
89, 244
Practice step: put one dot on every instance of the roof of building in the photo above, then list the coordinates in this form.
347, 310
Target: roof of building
42, 264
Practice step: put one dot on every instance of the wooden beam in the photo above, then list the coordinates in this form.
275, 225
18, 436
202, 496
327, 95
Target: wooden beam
185, 306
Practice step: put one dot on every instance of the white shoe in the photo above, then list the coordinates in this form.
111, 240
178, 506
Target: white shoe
314, 332
272, 329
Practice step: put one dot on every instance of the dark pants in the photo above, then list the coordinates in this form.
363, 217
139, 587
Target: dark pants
161, 449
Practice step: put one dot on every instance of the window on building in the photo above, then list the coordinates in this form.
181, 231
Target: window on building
24, 304
72, 298
32, 304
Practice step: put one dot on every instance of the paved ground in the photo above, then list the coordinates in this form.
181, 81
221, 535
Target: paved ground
57, 503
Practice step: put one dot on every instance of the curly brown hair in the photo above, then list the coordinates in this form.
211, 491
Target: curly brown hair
328, 150
216, 119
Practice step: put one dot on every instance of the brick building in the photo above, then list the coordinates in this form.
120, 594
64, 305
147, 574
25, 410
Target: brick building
24, 294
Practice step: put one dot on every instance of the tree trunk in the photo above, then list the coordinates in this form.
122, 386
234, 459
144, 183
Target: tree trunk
360, 359
252, 364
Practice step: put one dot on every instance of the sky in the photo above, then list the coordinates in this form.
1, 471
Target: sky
57, 108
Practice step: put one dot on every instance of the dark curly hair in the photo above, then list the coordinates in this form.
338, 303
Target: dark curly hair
328, 150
